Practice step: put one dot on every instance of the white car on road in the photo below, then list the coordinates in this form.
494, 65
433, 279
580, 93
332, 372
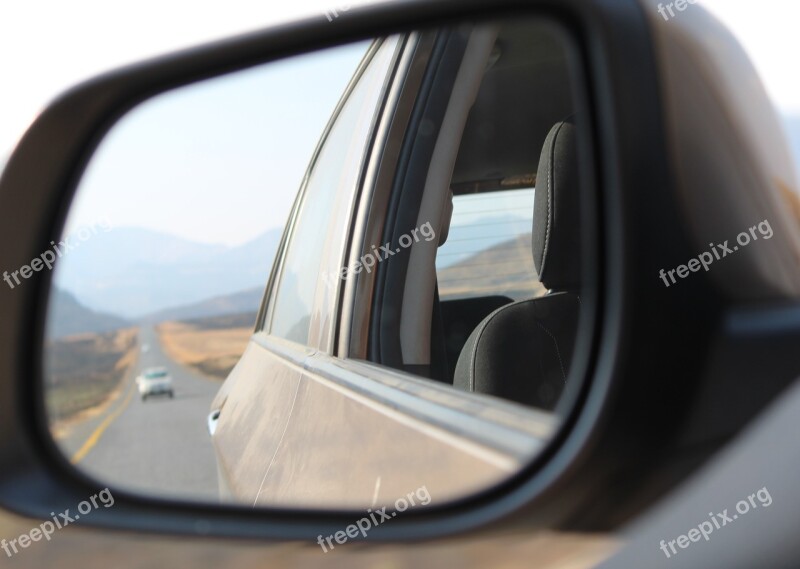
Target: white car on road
155, 381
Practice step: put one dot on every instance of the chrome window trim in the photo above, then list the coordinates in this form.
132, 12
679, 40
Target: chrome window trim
264, 321
365, 206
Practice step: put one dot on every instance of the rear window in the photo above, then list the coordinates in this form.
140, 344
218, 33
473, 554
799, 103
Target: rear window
155, 374
488, 251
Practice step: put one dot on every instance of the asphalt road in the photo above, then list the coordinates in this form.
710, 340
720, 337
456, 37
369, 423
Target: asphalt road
159, 447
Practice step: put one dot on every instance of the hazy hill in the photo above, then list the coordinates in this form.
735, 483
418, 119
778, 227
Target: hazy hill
245, 302
506, 269
464, 241
135, 272
68, 317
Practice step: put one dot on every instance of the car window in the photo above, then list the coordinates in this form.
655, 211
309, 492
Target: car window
488, 250
492, 304
333, 177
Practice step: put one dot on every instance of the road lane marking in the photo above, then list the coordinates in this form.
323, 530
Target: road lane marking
95, 436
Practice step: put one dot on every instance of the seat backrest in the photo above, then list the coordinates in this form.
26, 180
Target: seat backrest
522, 351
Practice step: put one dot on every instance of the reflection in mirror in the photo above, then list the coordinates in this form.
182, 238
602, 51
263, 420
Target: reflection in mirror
347, 279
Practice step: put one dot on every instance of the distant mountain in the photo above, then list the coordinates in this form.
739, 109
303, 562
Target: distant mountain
68, 317
466, 240
503, 269
245, 302
136, 272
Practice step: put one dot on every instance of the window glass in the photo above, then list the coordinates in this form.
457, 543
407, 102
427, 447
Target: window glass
488, 250
333, 178
156, 374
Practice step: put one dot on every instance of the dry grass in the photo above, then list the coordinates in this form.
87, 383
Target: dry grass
212, 352
84, 372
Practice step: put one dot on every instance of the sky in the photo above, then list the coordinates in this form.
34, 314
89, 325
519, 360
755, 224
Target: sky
185, 180
218, 161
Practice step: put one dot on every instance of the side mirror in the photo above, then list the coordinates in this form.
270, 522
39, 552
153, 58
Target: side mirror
401, 259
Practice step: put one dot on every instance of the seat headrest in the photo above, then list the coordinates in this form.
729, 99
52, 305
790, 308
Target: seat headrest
556, 211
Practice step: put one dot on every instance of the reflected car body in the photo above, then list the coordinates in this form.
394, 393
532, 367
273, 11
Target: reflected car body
309, 417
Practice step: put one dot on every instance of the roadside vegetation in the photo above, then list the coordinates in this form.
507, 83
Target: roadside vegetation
211, 346
84, 371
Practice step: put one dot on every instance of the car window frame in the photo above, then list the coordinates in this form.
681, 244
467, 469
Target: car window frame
356, 299
356, 332
269, 298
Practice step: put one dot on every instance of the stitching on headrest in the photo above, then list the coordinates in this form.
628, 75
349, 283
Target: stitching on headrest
549, 201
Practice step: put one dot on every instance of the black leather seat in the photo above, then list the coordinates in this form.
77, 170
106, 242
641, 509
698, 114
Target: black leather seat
523, 350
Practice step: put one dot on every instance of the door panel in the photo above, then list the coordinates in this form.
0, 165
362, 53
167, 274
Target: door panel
361, 436
266, 384
342, 450
342, 434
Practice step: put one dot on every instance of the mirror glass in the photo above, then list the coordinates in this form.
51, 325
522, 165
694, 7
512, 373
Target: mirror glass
347, 279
